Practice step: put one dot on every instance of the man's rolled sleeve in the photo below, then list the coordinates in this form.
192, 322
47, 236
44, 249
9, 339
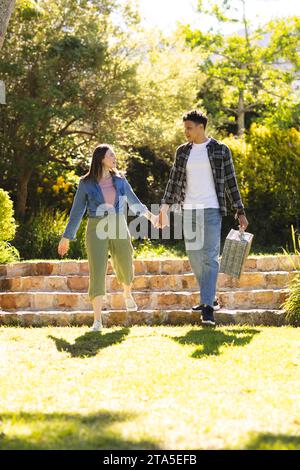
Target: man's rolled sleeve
231, 185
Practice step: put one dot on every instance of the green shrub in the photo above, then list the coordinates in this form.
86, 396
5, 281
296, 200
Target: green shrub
8, 253
155, 249
292, 302
38, 237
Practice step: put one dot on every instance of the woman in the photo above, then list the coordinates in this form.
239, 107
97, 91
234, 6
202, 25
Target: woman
102, 192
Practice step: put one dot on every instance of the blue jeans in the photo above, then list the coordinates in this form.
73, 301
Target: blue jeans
202, 236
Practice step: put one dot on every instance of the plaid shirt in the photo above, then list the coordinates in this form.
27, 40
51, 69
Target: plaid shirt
223, 173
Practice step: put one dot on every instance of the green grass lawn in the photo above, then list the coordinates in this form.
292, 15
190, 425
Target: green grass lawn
150, 388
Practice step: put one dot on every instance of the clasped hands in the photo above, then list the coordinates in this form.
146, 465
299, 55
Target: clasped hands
161, 220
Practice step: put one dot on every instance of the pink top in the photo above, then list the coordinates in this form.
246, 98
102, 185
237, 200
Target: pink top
109, 191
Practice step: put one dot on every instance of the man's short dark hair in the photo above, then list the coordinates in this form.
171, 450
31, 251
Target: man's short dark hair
196, 116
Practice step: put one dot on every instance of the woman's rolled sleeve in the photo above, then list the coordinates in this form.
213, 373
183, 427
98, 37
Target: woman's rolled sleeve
77, 212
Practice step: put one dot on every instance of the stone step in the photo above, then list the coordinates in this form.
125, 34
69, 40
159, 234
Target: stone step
142, 266
144, 282
254, 298
253, 317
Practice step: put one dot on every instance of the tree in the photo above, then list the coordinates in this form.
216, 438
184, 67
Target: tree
249, 72
6, 9
67, 67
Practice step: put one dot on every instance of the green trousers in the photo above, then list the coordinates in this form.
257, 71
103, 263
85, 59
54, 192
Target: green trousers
108, 234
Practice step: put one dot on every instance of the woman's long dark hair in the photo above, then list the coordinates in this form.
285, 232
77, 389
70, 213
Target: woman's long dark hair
95, 170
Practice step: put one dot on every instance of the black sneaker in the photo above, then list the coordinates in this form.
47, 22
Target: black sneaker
208, 315
198, 308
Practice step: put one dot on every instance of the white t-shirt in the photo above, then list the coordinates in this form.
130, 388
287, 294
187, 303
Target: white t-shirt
200, 191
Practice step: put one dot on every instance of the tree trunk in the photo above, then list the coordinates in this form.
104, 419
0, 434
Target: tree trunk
6, 9
22, 192
241, 114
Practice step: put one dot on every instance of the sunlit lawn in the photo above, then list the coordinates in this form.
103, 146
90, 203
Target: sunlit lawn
150, 388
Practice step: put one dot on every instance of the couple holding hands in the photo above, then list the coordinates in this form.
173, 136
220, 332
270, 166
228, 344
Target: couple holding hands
201, 175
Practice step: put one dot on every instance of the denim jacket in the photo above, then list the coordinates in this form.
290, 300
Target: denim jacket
89, 196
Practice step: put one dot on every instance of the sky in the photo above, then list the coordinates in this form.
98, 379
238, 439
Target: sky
166, 13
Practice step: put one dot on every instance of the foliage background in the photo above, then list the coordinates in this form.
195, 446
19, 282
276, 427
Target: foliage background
83, 72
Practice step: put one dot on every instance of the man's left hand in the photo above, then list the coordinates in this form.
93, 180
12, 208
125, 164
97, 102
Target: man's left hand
242, 221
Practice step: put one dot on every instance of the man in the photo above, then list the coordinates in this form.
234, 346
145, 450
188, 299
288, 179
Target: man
202, 173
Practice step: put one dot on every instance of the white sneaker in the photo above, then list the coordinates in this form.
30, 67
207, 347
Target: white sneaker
130, 304
97, 325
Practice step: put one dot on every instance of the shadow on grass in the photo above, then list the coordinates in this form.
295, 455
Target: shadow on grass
211, 340
90, 343
65, 431
267, 441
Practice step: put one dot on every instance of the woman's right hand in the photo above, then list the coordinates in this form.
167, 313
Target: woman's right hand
63, 246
